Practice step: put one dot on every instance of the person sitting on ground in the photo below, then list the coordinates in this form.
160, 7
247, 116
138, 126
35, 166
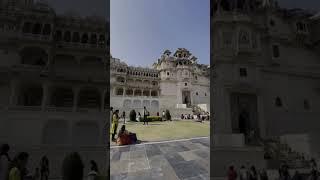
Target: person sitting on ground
125, 137
182, 117
139, 116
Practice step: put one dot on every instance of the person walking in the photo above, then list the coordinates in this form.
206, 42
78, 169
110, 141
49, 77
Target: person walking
243, 173
253, 175
93, 174
115, 122
18, 171
145, 115
4, 161
124, 117
44, 168
163, 115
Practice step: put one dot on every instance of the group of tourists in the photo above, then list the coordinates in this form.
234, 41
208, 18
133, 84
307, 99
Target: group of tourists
124, 137
283, 174
16, 168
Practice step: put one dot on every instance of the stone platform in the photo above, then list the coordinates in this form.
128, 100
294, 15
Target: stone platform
174, 160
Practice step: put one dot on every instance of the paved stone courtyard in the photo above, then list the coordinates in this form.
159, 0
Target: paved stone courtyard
172, 160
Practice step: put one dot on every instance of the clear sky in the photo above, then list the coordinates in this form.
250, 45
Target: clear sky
142, 29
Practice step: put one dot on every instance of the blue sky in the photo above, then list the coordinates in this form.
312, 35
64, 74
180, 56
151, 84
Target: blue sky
142, 29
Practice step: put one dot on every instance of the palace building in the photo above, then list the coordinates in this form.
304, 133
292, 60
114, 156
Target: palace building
175, 82
266, 78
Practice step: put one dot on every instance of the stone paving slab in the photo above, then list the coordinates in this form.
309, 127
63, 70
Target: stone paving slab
174, 160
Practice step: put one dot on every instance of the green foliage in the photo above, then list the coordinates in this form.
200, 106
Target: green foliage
72, 167
133, 115
167, 115
152, 118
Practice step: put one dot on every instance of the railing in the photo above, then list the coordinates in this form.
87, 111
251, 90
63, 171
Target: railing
59, 109
25, 108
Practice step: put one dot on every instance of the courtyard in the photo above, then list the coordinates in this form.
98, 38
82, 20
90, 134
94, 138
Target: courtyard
167, 130
174, 160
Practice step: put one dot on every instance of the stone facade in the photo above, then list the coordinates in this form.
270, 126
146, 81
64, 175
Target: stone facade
265, 71
53, 83
175, 82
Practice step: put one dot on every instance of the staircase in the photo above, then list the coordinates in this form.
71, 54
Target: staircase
277, 153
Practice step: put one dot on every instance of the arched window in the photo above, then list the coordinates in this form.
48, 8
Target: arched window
37, 28
30, 95
138, 92
93, 39
76, 37
154, 93
67, 36
84, 38
129, 92
26, 27
102, 39
62, 97
58, 35
278, 102
119, 92
46, 29
89, 98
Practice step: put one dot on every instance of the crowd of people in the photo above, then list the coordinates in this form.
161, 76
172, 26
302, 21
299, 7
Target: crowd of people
16, 168
251, 173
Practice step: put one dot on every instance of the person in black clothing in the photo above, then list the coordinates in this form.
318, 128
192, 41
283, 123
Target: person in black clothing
145, 115
44, 168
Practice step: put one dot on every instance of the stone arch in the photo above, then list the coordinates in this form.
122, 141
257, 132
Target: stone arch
62, 97
154, 93
154, 105
146, 103
136, 103
30, 95
27, 27
37, 28
137, 92
119, 91
58, 35
46, 29
84, 38
75, 37
89, 97
102, 39
56, 132
67, 36
127, 103
93, 39
146, 93
86, 133
129, 92
34, 56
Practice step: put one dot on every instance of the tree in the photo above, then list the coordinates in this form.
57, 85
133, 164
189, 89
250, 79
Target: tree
133, 115
167, 115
